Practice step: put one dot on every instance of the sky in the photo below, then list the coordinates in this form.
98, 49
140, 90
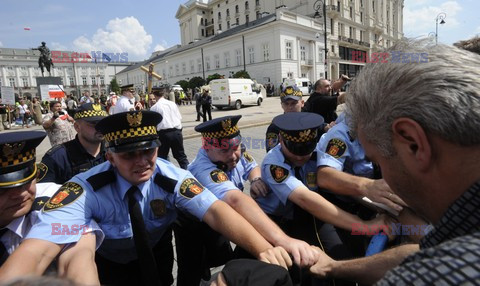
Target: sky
142, 27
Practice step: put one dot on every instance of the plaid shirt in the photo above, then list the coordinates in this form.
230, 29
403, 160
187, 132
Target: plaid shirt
450, 253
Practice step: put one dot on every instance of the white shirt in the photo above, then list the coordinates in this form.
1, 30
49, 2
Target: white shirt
124, 104
170, 113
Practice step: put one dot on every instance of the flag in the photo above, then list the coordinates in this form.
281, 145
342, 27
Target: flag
105, 57
26, 28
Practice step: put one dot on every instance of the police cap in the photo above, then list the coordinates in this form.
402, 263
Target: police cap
127, 87
299, 131
221, 128
90, 112
17, 157
130, 131
291, 92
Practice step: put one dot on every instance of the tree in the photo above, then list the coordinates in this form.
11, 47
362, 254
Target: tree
214, 76
114, 86
196, 82
241, 74
184, 84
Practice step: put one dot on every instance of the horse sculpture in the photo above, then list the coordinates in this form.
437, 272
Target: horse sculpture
45, 59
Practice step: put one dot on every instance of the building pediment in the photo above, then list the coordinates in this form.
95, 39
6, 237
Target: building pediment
182, 9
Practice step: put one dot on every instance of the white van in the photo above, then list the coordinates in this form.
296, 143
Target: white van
235, 92
302, 83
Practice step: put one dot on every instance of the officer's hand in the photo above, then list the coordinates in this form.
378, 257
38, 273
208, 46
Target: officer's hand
409, 218
378, 191
382, 223
303, 254
258, 188
323, 266
276, 255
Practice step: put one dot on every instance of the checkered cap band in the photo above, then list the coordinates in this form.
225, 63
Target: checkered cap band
90, 113
221, 134
302, 136
291, 91
131, 133
17, 159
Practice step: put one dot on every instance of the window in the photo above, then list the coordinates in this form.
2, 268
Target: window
351, 12
237, 21
236, 9
247, 18
228, 12
331, 27
207, 63
257, 16
219, 16
84, 80
238, 56
102, 80
361, 36
184, 68
251, 55
257, 2
203, 32
72, 82
228, 25
288, 50
199, 65
226, 55
94, 80
361, 17
320, 54
192, 66
177, 69
350, 32
24, 80
246, 5
219, 27
201, 21
373, 6
302, 53
266, 52
12, 81
170, 71
217, 61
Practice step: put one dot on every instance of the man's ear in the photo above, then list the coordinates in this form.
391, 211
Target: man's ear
411, 142
76, 126
109, 157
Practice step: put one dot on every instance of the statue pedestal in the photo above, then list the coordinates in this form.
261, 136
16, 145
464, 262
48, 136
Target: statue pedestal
50, 87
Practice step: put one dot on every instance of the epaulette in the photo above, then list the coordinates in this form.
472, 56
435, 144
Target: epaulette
39, 202
54, 149
102, 179
166, 183
314, 156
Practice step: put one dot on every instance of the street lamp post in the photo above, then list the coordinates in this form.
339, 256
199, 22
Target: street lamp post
319, 4
441, 16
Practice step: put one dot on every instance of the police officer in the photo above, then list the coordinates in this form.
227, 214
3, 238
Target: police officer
223, 166
134, 197
64, 161
21, 199
289, 170
126, 102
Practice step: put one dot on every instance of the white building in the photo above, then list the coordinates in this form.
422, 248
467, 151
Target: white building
19, 68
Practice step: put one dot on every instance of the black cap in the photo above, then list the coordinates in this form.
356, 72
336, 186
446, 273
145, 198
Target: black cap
17, 159
250, 272
220, 128
291, 92
127, 87
130, 131
90, 112
299, 131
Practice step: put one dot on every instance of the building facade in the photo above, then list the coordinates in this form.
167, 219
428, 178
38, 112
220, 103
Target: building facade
19, 68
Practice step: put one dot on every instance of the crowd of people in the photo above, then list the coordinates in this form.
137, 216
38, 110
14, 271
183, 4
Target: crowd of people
104, 204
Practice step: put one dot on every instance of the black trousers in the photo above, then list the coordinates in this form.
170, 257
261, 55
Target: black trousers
199, 112
207, 110
198, 249
112, 273
172, 139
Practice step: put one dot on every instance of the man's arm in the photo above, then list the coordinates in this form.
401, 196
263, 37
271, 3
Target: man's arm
228, 222
367, 270
346, 184
249, 209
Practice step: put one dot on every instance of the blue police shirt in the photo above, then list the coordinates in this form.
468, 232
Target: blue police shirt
100, 194
280, 177
219, 182
343, 152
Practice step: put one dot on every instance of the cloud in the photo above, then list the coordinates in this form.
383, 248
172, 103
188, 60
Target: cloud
124, 35
160, 47
57, 47
421, 20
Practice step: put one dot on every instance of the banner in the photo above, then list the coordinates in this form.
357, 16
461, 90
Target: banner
50, 92
8, 96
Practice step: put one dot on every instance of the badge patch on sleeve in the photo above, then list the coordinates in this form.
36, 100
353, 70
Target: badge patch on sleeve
158, 207
272, 140
311, 179
279, 174
190, 188
42, 170
248, 157
336, 147
218, 176
66, 195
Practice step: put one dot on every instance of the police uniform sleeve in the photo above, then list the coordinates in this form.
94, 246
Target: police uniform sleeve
281, 180
192, 197
333, 149
53, 166
216, 181
248, 163
67, 215
271, 137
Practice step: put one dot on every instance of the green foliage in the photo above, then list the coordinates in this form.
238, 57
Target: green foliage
241, 74
184, 84
114, 86
196, 82
214, 76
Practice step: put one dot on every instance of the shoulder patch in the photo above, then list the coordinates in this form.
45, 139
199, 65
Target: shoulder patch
101, 179
272, 139
218, 176
66, 195
166, 183
279, 174
248, 157
54, 149
336, 147
42, 170
39, 202
190, 187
